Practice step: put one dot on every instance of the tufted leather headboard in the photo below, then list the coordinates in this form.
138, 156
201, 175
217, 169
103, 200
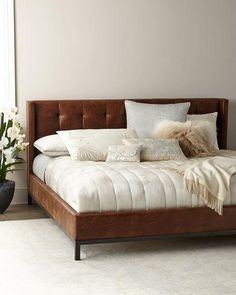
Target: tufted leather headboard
45, 117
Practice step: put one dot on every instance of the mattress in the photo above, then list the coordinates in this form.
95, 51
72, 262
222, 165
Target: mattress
40, 164
100, 187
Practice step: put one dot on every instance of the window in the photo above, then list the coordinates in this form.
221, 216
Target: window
7, 53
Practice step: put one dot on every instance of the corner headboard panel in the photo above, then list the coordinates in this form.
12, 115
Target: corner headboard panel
45, 117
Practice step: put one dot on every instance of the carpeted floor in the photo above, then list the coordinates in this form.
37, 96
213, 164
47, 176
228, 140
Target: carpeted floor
36, 257
22, 212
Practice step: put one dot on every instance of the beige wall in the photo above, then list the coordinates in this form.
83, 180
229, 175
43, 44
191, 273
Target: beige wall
126, 48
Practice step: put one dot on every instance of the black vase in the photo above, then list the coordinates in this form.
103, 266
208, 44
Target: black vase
7, 189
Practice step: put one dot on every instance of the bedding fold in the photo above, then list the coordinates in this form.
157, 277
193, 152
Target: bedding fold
209, 178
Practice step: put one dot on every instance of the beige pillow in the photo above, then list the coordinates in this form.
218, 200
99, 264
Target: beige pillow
194, 137
124, 153
92, 144
157, 150
212, 119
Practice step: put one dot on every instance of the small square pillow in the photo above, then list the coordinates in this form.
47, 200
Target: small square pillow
158, 149
144, 117
211, 118
51, 146
124, 153
92, 144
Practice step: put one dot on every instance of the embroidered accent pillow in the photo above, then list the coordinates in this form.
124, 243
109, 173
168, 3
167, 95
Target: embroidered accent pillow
211, 118
92, 144
194, 137
124, 153
144, 117
158, 149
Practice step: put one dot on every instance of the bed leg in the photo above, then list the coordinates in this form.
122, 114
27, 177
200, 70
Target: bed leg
77, 250
29, 199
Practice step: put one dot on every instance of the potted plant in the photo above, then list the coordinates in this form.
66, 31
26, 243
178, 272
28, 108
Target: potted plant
11, 143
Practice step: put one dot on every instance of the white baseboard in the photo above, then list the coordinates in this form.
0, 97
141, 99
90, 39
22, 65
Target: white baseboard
20, 196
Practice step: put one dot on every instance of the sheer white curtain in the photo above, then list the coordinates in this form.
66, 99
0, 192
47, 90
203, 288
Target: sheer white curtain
7, 53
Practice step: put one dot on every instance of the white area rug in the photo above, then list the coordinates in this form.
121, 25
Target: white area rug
36, 257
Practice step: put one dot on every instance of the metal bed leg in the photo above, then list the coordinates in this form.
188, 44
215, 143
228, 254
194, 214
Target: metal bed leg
77, 250
29, 199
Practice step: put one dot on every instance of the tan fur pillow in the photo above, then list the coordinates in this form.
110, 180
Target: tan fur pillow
193, 136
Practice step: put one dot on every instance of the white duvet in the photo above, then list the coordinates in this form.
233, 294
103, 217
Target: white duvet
101, 186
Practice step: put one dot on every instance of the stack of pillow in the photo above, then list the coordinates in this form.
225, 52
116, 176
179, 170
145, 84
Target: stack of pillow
154, 132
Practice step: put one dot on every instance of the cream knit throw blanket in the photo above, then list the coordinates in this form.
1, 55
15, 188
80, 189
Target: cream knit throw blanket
209, 178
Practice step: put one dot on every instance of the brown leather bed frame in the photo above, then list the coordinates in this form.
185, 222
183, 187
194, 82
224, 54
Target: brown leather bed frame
45, 117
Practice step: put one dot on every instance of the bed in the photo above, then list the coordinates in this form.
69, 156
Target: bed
89, 222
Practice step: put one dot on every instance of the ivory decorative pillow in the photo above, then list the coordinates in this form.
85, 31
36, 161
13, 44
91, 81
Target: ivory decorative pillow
194, 137
124, 153
211, 118
158, 149
92, 144
51, 145
144, 117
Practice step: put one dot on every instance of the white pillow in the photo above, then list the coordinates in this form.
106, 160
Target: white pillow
51, 145
124, 153
158, 149
211, 118
144, 117
92, 144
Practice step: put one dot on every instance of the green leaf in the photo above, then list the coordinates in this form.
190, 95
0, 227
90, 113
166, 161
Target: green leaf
9, 123
15, 163
2, 130
11, 170
2, 119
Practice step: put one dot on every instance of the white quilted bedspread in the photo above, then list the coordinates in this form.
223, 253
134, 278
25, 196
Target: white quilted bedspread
101, 186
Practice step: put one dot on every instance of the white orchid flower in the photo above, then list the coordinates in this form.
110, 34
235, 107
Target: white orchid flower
21, 145
14, 109
3, 142
10, 161
10, 136
13, 132
16, 121
9, 116
8, 153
